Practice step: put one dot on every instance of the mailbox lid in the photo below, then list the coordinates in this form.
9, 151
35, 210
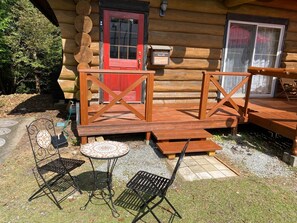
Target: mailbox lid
160, 48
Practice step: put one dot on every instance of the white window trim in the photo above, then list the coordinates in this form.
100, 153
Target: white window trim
278, 55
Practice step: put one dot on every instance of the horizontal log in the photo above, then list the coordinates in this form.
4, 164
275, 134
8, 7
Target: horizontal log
290, 65
95, 6
83, 24
83, 54
291, 36
68, 31
62, 5
290, 47
95, 34
178, 74
67, 85
209, 6
185, 27
249, 9
69, 45
68, 59
195, 53
68, 73
292, 27
69, 95
65, 16
179, 86
95, 61
77, 95
83, 39
233, 3
185, 39
95, 48
180, 63
289, 57
187, 16
95, 19
283, 4
89, 83
180, 95
83, 8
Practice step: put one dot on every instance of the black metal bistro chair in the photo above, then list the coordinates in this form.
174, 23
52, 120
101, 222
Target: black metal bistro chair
148, 187
51, 169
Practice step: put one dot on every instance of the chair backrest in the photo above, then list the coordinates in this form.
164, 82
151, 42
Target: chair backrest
40, 133
180, 159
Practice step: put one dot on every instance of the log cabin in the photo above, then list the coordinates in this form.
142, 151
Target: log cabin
179, 41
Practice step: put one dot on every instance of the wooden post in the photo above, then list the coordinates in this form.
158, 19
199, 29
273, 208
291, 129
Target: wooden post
83, 103
149, 97
149, 101
247, 96
294, 148
204, 95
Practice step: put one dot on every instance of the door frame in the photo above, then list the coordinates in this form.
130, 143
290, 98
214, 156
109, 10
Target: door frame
123, 6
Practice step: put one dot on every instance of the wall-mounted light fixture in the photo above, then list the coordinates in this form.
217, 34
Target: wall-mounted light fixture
163, 7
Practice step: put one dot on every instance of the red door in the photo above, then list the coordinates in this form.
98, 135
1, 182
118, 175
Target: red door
123, 49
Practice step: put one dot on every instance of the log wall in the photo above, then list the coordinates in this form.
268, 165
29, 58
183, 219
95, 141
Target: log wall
194, 29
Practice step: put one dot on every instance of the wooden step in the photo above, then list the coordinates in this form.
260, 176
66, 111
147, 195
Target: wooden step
162, 135
172, 148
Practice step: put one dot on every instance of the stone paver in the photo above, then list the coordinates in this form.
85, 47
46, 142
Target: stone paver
200, 167
11, 131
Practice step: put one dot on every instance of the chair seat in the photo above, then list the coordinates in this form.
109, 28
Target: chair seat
149, 183
58, 165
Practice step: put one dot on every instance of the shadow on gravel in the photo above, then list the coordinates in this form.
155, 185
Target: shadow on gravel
263, 140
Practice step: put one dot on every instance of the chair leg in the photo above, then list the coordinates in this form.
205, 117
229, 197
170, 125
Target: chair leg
75, 183
145, 205
173, 207
47, 185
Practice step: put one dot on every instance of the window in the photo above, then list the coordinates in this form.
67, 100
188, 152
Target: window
123, 38
251, 43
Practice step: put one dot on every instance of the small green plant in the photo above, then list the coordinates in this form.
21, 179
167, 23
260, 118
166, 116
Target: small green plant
74, 141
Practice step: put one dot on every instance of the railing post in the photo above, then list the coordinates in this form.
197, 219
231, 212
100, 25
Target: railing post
149, 97
204, 95
247, 96
149, 102
294, 147
83, 102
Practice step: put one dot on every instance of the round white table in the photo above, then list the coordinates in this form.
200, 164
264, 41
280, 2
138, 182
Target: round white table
105, 150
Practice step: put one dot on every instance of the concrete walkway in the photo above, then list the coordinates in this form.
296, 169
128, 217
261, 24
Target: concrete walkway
11, 132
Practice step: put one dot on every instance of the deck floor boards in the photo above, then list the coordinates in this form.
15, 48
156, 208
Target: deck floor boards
277, 115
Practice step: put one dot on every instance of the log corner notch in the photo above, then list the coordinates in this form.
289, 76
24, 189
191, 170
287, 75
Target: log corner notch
233, 3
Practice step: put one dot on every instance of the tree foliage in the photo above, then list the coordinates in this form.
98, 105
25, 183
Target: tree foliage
33, 46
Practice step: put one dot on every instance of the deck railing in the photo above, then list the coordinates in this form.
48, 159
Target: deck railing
209, 77
86, 75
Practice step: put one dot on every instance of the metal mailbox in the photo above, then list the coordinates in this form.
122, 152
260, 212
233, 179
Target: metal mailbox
160, 55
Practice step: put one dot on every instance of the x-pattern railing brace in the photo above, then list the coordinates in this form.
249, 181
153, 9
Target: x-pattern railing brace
116, 97
227, 97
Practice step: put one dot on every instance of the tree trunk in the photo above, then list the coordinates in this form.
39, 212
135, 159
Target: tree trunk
37, 83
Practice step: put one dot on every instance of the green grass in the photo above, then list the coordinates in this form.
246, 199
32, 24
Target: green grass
237, 199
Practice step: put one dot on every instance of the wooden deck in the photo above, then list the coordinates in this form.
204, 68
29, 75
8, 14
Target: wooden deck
119, 119
276, 115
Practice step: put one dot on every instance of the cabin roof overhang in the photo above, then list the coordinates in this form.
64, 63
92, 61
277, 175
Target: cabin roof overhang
44, 7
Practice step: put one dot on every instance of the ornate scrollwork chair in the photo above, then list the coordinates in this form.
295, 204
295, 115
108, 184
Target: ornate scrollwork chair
52, 172
148, 187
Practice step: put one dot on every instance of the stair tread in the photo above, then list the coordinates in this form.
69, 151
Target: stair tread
181, 134
194, 146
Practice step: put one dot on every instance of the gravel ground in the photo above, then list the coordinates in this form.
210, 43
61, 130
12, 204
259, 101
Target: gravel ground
256, 151
141, 157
